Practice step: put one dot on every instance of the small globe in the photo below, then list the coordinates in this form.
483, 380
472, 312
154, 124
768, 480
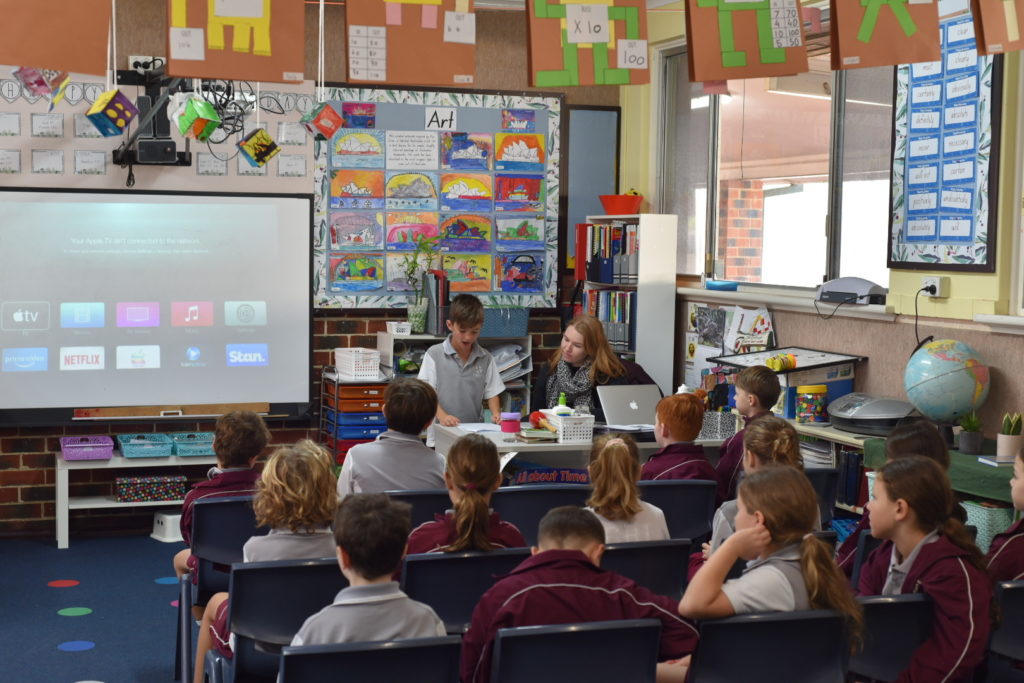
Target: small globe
945, 380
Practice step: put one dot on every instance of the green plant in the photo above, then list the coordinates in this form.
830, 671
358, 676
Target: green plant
418, 261
1011, 424
970, 422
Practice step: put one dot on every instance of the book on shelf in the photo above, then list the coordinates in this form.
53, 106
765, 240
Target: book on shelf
616, 309
607, 253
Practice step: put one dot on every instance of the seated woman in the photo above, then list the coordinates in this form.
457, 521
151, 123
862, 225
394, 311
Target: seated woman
583, 361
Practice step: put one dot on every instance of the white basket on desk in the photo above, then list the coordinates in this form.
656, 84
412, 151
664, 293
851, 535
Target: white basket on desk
572, 428
357, 363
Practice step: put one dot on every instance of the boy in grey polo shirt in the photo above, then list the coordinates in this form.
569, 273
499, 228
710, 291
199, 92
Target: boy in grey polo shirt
462, 372
371, 531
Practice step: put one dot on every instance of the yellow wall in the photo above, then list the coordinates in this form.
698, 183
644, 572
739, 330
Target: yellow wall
970, 294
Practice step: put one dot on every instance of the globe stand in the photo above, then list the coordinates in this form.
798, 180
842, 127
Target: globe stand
946, 430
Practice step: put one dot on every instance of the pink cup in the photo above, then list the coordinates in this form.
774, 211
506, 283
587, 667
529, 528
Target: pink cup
510, 422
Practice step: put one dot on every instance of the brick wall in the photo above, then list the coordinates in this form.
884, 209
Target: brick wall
27, 454
741, 229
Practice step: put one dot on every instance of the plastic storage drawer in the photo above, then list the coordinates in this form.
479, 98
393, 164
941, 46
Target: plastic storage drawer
360, 431
349, 419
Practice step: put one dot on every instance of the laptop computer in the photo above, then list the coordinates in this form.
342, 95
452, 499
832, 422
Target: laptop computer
628, 404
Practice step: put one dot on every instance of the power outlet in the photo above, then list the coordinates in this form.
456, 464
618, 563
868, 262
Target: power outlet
941, 284
143, 63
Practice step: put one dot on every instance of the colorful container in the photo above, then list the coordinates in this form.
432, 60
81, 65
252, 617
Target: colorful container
510, 422
86, 447
812, 403
170, 487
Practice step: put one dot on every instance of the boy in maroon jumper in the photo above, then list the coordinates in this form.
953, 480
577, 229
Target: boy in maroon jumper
757, 390
1006, 554
239, 438
677, 422
562, 584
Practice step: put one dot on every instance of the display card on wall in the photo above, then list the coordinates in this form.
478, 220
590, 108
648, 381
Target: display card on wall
882, 33
1000, 25
73, 35
488, 194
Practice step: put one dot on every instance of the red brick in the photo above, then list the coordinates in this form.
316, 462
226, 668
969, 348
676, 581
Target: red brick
288, 436
21, 511
21, 477
31, 494
329, 342
364, 340
8, 494
38, 460
545, 325
376, 325
345, 327
26, 527
8, 462
22, 445
41, 431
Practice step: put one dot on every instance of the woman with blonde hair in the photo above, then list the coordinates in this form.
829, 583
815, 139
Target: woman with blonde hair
614, 471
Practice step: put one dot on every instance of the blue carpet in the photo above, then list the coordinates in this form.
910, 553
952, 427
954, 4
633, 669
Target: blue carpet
115, 625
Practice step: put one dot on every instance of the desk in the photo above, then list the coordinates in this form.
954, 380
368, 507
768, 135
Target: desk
66, 503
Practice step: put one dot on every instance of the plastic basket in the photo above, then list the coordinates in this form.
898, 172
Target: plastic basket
86, 447
357, 363
621, 204
505, 322
990, 521
573, 428
717, 426
145, 445
192, 443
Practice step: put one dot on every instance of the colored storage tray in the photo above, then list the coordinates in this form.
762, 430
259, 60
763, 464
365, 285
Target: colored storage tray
188, 444
145, 445
86, 447
349, 419
360, 431
330, 415
362, 405
362, 391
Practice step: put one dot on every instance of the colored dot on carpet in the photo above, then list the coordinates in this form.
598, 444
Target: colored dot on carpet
62, 583
76, 645
88, 681
74, 611
174, 603
166, 579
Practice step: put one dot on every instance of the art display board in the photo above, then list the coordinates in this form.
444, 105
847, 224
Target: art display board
76, 35
999, 25
411, 42
883, 33
729, 39
478, 170
581, 42
246, 40
945, 148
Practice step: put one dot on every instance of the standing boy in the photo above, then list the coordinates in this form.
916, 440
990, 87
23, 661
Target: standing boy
397, 460
757, 390
677, 422
370, 530
461, 371
562, 583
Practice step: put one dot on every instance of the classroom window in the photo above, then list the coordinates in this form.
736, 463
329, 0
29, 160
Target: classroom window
774, 194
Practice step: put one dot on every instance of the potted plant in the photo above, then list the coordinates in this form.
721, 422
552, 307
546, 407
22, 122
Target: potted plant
415, 265
1009, 439
971, 437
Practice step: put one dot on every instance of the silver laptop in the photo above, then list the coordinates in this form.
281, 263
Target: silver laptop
628, 404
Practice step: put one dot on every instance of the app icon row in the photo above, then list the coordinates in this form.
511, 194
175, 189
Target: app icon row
135, 357
35, 316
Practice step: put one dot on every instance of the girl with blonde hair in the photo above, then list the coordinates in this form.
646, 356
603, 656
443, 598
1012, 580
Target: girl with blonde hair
614, 473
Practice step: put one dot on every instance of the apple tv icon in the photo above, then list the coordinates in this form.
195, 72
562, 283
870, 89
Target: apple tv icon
25, 316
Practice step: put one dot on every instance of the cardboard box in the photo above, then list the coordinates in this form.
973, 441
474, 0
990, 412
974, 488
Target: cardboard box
146, 489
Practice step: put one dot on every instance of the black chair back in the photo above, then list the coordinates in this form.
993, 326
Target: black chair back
658, 566
829, 537
220, 527
688, 504
807, 646
1008, 639
825, 481
624, 651
894, 627
269, 603
525, 505
452, 583
866, 544
425, 503
425, 660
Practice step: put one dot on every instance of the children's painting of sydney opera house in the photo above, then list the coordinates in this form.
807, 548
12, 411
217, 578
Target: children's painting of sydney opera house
356, 272
356, 230
354, 189
466, 192
411, 191
467, 151
466, 232
358, 149
519, 152
518, 193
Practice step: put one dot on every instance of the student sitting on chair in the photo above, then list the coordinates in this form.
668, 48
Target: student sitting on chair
472, 474
397, 460
757, 390
463, 372
912, 437
788, 568
927, 550
1006, 554
370, 531
239, 438
295, 497
614, 470
561, 584
677, 422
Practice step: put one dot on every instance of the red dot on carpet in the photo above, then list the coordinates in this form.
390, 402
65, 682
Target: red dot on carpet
174, 603
62, 583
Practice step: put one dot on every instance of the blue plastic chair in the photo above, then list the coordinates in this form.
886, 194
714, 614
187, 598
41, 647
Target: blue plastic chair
809, 646
424, 660
220, 527
894, 627
688, 504
866, 544
1007, 644
425, 503
524, 506
624, 651
452, 583
658, 566
269, 602
825, 481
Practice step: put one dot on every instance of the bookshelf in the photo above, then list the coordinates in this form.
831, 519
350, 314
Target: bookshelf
627, 265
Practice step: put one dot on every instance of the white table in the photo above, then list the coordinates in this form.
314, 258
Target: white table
66, 503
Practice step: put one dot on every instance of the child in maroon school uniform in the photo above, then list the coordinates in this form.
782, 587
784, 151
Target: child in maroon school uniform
562, 583
677, 422
757, 390
238, 439
471, 476
929, 551
1006, 554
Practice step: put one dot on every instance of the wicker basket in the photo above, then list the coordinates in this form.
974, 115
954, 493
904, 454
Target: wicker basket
573, 428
